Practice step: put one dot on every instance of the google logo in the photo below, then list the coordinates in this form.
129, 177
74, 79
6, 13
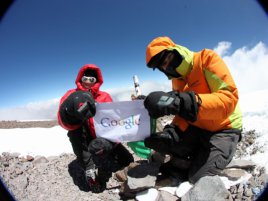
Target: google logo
127, 123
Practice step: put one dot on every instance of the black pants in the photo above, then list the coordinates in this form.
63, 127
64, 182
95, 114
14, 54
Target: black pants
82, 146
202, 153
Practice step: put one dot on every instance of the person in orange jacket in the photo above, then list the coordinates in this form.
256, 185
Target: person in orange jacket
207, 124
98, 157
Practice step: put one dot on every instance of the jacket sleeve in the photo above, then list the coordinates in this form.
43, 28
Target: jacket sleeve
103, 97
222, 100
107, 97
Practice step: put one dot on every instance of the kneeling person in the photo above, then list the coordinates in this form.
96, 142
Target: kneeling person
98, 157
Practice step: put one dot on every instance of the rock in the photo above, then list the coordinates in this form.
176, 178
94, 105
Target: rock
61, 178
243, 164
149, 194
22, 181
139, 178
167, 196
209, 188
29, 158
14, 155
127, 193
121, 175
40, 160
263, 179
234, 173
183, 188
248, 193
165, 182
143, 175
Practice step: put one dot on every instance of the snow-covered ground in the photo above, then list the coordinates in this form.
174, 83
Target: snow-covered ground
54, 141
35, 141
255, 117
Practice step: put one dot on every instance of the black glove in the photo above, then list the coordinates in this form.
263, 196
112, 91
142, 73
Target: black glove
100, 146
163, 141
184, 104
84, 105
78, 106
160, 103
141, 97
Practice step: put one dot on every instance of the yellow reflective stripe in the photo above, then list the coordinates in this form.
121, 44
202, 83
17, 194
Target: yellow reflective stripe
184, 68
186, 65
214, 82
236, 118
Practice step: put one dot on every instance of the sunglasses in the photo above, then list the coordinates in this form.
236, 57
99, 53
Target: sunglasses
90, 79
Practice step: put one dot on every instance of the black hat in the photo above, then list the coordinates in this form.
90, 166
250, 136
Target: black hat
90, 73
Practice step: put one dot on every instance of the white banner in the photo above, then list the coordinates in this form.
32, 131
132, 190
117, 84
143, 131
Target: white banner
124, 121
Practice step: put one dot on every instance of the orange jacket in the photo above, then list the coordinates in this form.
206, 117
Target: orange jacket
206, 74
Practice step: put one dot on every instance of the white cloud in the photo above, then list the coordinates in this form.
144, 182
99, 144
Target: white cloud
32, 111
124, 94
247, 65
48, 109
223, 47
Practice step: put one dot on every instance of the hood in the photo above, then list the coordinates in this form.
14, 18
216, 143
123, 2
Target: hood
95, 88
165, 43
158, 45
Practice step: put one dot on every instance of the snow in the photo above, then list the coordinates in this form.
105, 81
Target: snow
35, 141
54, 141
254, 106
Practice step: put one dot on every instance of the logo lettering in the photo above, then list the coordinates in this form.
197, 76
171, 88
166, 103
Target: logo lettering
126, 123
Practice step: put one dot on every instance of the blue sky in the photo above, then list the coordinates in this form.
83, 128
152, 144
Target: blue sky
43, 44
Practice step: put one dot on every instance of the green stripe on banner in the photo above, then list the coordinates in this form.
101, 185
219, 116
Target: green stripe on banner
139, 148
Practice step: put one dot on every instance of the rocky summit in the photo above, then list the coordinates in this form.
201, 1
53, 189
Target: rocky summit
53, 178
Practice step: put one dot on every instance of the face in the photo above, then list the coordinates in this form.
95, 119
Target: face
167, 61
170, 62
88, 82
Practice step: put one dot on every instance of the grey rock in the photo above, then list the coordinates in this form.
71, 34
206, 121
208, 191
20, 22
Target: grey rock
61, 178
29, 158
234, 173
14, 155
143, 175
248, 193
165, 196
208, 188
243, 164
39, 160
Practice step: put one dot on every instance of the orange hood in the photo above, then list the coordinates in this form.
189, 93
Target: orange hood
158, 45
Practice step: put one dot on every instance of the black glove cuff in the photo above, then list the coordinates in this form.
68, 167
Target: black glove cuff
189, 106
